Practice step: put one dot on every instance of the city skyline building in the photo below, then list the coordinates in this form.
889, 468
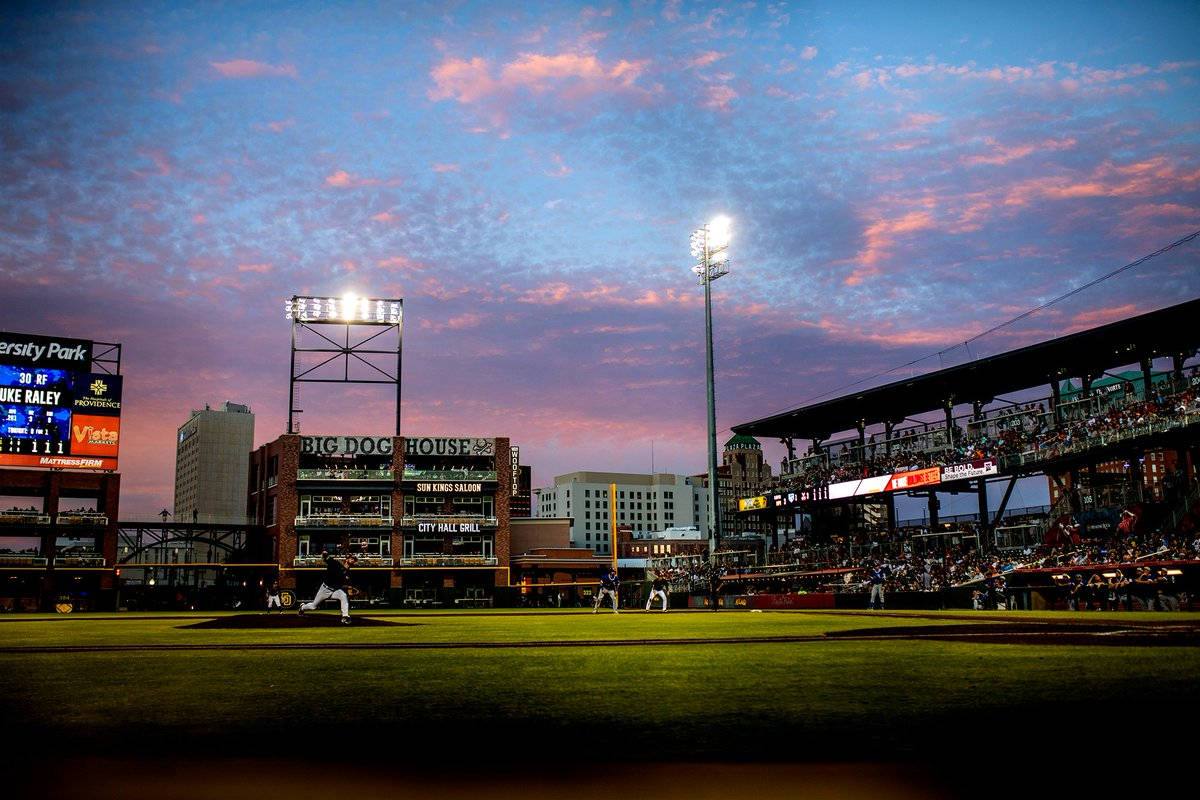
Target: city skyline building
212, 462
743, 473
644, 503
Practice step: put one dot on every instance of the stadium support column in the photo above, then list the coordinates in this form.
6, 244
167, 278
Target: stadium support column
985, 527
1147, 379
1056, 399
950, 443
985, 524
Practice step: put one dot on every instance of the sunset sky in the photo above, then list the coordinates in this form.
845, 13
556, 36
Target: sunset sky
900, 176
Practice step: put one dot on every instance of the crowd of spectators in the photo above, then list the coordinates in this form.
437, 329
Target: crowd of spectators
1027, 429
1124, 551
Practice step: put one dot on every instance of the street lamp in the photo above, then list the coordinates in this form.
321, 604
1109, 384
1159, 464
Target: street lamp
710, 245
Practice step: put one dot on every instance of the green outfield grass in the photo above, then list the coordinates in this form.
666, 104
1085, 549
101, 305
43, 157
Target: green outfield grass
815, 699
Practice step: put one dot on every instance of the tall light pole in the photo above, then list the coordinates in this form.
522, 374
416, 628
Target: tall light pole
710, 244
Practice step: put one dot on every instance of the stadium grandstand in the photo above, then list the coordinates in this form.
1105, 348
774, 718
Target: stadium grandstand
1110, 417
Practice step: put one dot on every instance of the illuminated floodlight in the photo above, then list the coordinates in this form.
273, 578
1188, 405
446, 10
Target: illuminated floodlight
350, 309
710, 248
718, 233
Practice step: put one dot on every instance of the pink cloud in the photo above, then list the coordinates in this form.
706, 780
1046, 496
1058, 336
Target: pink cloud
561, 170
808, 53
244, 68
162, 163
399, 264
719, 97
549, 294
457, 323
1141, 179
704, 59
928, 334
559, 292
280, 125
1157, 220
254, 267
447, 167
1001, 154
920, 120
570, 76
1101, 316
465, 81
1175, 66
540, 73
346, 180
880, 238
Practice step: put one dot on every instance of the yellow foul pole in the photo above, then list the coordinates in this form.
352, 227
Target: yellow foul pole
612, 521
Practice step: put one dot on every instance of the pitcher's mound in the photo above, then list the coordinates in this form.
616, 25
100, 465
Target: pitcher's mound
290, 619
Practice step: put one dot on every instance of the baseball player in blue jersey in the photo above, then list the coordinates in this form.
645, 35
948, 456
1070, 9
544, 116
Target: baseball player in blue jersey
609, 584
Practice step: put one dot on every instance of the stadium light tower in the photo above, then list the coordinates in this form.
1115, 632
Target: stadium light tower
312, 317
710, 245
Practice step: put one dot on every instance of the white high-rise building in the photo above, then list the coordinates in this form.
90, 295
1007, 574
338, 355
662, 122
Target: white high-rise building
645, 503
212, 465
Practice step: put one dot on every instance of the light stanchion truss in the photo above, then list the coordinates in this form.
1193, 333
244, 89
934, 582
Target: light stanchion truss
328, 334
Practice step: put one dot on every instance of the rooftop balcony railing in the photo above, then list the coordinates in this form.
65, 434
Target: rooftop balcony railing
345, 474
81, 518
449, 474
22, 560
80, 560
443, 560
18, 517
344, 521
361, 561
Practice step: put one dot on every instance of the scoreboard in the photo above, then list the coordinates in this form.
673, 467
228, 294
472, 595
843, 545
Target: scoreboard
54, 411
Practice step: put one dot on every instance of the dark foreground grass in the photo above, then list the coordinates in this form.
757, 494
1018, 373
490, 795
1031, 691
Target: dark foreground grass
950, 707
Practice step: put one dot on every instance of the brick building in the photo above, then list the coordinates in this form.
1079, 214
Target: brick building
429, 517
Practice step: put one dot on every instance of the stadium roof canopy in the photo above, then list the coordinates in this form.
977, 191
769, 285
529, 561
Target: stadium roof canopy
1167, 332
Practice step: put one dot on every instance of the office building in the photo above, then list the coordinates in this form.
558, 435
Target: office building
212, 458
